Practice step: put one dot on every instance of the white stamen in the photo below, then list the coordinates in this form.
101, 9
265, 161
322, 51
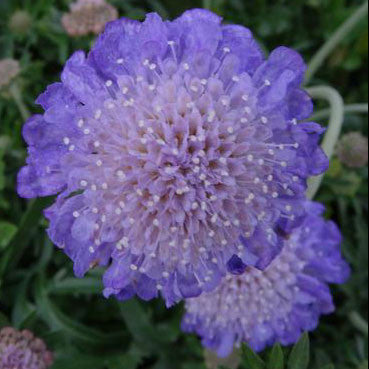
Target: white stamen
156, 198
98, 114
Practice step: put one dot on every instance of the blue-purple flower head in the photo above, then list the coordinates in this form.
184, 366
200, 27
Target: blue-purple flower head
22, 350
173, 146
280, 303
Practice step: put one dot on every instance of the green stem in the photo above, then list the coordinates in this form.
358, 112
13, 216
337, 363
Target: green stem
334, 128
349, 109
359, 323
335, 40
17, 96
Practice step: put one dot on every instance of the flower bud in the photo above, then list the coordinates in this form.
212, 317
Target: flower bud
352, 150
9, 69
22, 350
20, 22
88, 16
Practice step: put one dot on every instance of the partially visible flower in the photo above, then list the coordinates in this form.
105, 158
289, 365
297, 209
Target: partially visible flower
176, 148
22, 350
20, 22
9, 69
88, 16
280, 303
352, 150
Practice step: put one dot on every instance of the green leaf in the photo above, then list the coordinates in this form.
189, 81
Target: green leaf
364, 365
300, 355
4, 322
329, 366
23, 310
130, 360
28, 226
57, 320
276, 358
87, 285
143, 331
7, 232
252, 360
78, 362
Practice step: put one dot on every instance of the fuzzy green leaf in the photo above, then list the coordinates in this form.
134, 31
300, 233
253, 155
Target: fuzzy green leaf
300, 355
252, 360
7, 231
276, 358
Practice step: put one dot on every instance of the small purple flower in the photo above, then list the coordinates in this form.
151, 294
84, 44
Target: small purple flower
279, 303
175, 148
22, 350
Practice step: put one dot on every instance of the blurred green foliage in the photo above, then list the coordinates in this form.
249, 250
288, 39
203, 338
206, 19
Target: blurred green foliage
37, 287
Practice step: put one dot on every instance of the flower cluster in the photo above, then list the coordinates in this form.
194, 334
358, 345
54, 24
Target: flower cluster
9, 69
352, 150
176, 148
279, 303
21, 350
88, 16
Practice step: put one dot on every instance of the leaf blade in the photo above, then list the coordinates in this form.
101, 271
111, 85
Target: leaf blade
300, 355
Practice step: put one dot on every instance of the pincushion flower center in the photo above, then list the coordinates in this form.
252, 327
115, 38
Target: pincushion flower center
190, 156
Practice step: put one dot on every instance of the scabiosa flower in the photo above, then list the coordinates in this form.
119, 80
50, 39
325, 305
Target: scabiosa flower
279, 303
176, 148
352, 150
22, 350
88, 16
9, 69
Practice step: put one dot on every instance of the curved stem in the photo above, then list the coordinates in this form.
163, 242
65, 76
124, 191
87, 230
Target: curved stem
334, 40
349, 109
17, 96
334, 128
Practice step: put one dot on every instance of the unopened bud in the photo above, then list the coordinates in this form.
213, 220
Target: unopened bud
352, 150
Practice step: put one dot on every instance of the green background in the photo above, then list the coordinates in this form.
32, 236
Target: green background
37, 287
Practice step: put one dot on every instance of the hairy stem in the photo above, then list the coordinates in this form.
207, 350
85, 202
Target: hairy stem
349, 109
335, 40
334, 128
17, 96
